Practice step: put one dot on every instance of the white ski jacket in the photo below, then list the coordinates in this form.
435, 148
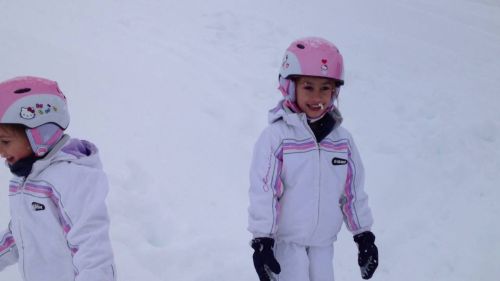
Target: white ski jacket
59, 222
302, 191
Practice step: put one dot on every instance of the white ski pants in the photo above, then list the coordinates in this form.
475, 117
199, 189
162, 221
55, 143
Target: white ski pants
304, 263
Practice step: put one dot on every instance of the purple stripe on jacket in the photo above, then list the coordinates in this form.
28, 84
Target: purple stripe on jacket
335, 146
348, 207
295, 146
48, 192
6, 243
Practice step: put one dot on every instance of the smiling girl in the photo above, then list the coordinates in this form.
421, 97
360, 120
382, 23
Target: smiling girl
14, 144
306, 177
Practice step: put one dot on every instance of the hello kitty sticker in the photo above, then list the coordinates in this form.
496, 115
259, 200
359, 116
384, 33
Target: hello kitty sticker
324, 66
39, 109
27, 113
285, 63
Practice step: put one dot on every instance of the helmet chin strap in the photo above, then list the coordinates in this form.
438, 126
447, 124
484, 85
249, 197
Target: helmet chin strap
43, 138
287, 89
336, 99
335, 96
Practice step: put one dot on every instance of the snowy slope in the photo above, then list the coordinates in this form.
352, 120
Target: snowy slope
176, 93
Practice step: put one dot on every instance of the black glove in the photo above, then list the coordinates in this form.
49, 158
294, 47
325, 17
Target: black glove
368, 253
263, 258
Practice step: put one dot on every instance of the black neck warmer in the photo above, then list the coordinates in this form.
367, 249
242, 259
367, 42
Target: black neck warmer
22, 168
322, 127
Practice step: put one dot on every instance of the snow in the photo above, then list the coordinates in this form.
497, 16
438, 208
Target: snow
176, 93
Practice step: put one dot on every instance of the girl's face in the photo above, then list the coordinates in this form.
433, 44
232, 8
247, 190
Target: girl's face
314, 95
14, 144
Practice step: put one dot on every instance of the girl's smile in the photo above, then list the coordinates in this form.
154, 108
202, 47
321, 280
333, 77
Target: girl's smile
314, 95
14, 144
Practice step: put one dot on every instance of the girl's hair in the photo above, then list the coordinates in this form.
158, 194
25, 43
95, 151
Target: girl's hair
14, 129
332, 81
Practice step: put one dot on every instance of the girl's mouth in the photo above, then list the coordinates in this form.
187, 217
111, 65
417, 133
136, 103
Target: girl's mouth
318, 106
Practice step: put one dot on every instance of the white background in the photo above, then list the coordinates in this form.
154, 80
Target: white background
175, 93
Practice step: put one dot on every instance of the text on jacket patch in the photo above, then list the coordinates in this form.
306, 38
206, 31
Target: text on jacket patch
37, 206
339, 161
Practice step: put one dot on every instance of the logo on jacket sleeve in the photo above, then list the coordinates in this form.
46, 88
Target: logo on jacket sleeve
338, 161
37, 206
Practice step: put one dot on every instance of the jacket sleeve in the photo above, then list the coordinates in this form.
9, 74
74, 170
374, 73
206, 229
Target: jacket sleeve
8, 249
354, 202
87, 226
266, 186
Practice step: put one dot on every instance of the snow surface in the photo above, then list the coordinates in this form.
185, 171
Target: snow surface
175, 94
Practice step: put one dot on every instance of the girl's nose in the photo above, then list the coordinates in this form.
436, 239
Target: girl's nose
316, 97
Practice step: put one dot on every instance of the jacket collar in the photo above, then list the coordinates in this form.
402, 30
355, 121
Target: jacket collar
280, 111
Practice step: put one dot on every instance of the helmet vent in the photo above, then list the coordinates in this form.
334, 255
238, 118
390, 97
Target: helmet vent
300, 46
22, 90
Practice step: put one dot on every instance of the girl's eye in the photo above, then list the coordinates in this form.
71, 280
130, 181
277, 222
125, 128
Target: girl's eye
4, 142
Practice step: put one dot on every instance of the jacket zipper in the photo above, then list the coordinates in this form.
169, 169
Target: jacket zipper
304, 121
20, 226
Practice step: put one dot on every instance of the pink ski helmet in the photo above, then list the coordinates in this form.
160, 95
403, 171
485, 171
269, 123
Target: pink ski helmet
310, 56
39, 105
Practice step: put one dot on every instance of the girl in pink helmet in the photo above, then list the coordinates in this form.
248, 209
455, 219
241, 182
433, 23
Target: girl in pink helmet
59, 222
306, 176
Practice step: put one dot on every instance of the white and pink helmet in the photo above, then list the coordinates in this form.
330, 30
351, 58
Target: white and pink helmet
39, 105
310, 56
